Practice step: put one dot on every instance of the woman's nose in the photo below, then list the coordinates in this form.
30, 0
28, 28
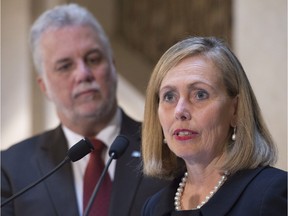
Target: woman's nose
182, 111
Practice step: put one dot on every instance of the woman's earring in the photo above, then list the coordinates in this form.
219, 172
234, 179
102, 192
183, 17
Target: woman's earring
164, 141
234, 134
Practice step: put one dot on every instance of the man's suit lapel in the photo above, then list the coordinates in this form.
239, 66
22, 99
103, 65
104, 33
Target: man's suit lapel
127, 168
60, 185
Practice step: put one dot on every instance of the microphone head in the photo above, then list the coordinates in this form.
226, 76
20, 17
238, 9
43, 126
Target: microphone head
79, 150
118, 146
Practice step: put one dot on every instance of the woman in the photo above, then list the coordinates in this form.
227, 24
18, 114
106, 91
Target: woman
203, 128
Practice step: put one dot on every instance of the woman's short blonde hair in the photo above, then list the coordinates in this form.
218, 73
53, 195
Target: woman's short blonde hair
253, 146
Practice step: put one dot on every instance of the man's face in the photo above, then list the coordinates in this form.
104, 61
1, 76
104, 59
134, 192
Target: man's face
78, 75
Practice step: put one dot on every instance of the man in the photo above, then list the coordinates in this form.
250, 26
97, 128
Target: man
76, 72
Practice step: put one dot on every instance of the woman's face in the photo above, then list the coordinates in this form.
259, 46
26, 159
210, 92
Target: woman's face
195, 111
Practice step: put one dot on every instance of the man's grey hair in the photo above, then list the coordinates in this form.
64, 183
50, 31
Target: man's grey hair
62, 16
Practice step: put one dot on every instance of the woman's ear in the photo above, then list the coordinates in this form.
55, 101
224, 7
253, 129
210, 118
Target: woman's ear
235, 109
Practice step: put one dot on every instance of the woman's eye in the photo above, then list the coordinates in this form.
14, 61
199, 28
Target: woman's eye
201, 95
169, 96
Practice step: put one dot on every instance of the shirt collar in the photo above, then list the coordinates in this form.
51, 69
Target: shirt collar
107, 135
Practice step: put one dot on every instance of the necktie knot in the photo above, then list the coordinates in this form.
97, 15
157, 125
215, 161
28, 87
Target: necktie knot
97, 144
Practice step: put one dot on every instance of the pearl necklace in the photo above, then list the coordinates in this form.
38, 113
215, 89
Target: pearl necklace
180, 189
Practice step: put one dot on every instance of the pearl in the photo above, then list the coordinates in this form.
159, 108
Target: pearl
180, 189
234, 134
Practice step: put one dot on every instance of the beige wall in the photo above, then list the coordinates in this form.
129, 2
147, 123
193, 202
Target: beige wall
15, 75
260, 41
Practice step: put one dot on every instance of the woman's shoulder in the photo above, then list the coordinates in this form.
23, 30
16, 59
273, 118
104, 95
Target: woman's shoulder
260, 172
268, 171
264, 180
266, 188
250, 191
275, 170
272, 177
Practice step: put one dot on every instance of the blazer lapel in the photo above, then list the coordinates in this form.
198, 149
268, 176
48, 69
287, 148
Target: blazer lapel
162, 203
60, 185
127, 173
220, 204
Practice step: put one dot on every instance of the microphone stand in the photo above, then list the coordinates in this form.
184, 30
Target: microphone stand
67, 159
75, 153
97, 187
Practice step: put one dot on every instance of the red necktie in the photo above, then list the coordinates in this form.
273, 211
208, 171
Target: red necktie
95, 166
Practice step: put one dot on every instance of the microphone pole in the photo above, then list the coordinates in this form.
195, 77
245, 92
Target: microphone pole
97, 187
76, 152
117, 148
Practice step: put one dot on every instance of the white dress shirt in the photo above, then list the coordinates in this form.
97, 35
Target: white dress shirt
107, 136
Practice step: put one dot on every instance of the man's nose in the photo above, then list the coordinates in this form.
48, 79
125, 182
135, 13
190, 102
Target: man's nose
83, 72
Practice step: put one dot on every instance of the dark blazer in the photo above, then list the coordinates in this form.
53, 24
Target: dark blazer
255, 192
28, 161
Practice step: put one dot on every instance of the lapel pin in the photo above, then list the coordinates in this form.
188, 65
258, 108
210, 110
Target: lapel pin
136, 154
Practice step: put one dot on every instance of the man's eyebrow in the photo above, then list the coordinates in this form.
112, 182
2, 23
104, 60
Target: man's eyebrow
92, 51
95, 50
63, 60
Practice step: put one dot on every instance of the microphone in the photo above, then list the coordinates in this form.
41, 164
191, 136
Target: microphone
75, 153
116, 150
118, 146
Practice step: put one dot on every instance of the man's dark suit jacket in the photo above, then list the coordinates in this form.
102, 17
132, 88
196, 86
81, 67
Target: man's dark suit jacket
257, 192
31, 159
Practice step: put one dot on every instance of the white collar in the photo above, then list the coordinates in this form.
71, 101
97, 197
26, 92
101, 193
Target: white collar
107, 135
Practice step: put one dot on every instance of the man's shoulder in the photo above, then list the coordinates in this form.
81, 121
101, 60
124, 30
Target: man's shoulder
128, 120
28, 145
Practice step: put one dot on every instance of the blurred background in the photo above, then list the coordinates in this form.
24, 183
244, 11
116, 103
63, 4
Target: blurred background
140, 31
